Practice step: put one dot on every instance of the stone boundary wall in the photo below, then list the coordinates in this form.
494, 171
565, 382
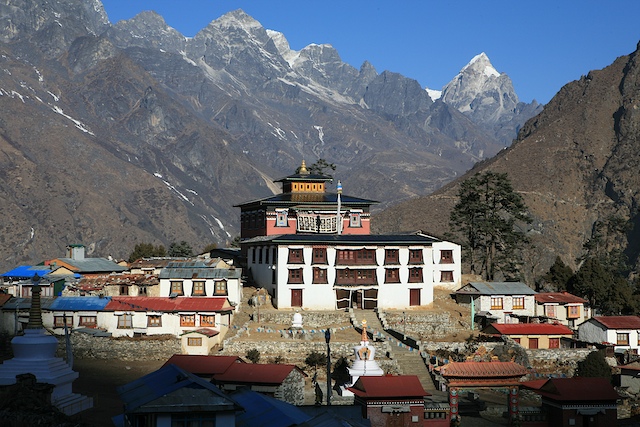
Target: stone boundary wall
421, 325
90, 347
310, 319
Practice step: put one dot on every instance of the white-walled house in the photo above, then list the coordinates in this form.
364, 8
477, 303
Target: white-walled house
198, 279
328, 272
562, 307
500, 302
621, 331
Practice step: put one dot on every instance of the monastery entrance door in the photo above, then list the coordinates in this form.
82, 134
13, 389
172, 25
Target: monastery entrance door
360, 297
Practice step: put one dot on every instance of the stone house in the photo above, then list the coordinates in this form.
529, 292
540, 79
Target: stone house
563, 307
621, 331
497, 302
531, 335
283, 382
628, 377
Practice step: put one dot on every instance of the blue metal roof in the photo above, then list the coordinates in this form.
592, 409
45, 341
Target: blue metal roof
27, 272
79, 303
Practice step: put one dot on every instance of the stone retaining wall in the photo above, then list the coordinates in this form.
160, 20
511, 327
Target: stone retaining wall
310, 319
90, 347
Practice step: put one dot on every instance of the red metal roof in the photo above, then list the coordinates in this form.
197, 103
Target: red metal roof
250, 373
530, 329
4, 298
123, 303
391, 386
203, 365
482, 370
574, 389
204, 331
559, 297
619, 322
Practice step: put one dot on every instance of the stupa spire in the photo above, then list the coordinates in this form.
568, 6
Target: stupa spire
35, 311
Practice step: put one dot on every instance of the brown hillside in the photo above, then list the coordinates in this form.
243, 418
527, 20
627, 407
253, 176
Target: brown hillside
574, 163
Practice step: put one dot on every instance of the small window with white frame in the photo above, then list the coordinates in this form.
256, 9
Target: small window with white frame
355, 219
282, 219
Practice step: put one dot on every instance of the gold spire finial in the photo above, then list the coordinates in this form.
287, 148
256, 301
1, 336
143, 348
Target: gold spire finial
365, 338
303, 168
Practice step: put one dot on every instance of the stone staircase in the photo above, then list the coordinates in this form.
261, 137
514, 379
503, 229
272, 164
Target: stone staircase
409, 362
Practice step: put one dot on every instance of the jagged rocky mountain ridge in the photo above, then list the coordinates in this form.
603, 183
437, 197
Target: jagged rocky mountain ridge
115, 134
575, 164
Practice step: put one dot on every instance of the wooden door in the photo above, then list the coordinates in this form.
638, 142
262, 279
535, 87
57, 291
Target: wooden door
533, 343
414, 296
296, 297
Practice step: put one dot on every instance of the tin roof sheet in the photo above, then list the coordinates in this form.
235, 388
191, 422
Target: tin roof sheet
188, 304
203, 365
265, 411
574, 389
530, 329
559, 297
389, 386
250, 373
618, 322
482, 370
79, 303
496, 288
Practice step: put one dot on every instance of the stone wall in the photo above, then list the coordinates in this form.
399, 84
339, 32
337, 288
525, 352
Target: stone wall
145, 348
425, 325
310, 319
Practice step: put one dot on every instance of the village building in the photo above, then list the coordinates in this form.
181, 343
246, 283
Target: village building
621, 331
76, 262
497, 302
532, 335
577, 401
204, 366
200, 279
562, 307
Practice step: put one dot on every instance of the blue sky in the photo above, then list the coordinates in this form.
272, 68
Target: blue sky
541, 45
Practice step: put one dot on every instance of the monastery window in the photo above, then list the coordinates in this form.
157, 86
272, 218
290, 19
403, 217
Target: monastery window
220, 287
154, 321
176, 287
295, 275
319, 275
187, 320
446, 257
296, 256
415, 256
124, 290
356, 257
125, 321
198, 289
356, 277
446, 276
415, 275
432, 415
192, 342
142, 290
518, 303
391, 256
392, 275
355, 221
319, 255
573, 312
208, 320
88, 321
496, 303
622, 339
193, 420
282, 219
58, 321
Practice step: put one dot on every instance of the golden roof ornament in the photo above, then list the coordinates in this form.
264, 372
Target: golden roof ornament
303, 168
365, 338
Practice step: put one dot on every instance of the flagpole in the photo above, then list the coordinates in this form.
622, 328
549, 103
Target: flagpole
339, 216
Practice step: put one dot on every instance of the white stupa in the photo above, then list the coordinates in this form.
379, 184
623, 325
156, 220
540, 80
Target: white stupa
365, 364
34, 353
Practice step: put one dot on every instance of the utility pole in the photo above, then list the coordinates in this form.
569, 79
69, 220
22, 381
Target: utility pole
327, 337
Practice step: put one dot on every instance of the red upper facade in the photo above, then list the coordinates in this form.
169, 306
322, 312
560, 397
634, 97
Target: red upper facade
305, 207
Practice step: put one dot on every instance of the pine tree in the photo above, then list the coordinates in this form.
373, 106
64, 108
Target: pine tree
486, 218
594, 366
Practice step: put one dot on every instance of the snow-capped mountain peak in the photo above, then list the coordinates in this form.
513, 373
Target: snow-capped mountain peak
480, 63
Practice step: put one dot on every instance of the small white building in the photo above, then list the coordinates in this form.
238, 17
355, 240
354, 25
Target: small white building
200, 279
621, 331
562, 307
328, 272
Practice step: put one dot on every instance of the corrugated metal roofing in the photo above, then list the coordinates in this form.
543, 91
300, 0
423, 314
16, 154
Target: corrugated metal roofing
187, 304
265, 411
482, 370
249, 373
496, 288
79, 303
162, 389
93, 265
203, 365
293, 199
25, 303
619, 322
559, 297
574, 389
392, 386
200, 272
530, 329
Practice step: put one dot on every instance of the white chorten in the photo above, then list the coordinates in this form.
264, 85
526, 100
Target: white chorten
365, 364
34, 353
